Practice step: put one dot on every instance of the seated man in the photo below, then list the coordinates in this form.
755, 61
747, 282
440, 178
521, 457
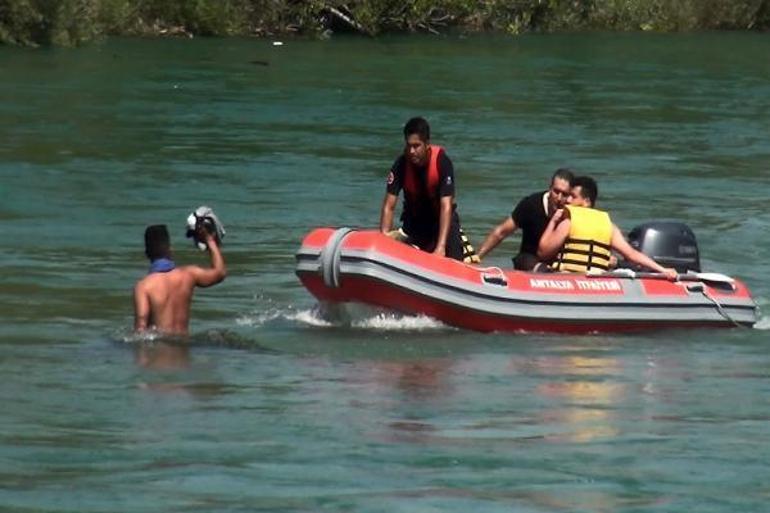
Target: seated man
429, 217
162, 298
531, 215
581, 238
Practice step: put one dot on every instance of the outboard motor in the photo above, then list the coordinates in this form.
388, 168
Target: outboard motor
669, 243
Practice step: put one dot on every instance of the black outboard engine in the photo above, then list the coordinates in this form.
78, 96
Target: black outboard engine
669, 243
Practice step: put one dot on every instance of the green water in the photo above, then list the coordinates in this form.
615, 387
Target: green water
272, 408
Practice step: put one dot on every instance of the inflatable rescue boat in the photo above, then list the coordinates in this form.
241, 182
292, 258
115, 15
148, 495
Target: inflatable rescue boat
346, 265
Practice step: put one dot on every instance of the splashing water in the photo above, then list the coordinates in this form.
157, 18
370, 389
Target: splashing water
138, 337
260, 318
764, 320
763, 324
348, 315
396, 322
312, 317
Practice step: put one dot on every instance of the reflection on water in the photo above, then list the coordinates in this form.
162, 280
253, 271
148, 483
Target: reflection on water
582, 392
170, 366
162, 355
417, 381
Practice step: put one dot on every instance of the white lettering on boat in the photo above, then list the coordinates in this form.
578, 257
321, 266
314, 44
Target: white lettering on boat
551, 284
611, 285
580, 285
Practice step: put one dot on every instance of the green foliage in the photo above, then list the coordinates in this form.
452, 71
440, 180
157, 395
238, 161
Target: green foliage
204, 17
20, 22
678, 15
57, 22
72, 22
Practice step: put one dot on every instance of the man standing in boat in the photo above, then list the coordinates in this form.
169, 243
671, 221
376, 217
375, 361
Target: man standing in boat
531, 216
580, 238
162, 298
429, 217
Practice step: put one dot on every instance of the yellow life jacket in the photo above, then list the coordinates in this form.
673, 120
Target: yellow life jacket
588, 243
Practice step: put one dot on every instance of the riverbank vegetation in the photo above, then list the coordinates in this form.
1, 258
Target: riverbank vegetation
72, 22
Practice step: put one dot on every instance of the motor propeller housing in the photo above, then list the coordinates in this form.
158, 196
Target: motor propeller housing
669, 243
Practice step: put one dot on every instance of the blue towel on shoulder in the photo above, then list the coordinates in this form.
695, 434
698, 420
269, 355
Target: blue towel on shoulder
161, 265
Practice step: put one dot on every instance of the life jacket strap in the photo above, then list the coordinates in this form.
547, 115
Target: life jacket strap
589, 265
469, 253
594, 259
588, 242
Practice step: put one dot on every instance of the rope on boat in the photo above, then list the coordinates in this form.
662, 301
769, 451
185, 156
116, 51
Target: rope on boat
720, 309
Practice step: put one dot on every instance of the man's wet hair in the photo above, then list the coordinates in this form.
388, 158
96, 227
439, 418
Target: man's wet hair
588, 188
565, 174
419, 126
157, 243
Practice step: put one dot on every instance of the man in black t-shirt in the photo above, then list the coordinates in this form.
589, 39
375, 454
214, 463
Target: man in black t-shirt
531, 215
426, 175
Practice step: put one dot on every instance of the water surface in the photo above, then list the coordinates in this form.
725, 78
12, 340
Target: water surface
272, 408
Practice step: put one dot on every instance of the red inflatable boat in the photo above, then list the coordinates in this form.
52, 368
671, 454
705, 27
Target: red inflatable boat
345, 265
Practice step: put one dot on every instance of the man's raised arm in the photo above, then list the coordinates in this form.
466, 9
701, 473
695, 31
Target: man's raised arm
206, 277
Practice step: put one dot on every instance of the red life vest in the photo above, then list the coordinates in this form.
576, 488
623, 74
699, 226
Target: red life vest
413, 189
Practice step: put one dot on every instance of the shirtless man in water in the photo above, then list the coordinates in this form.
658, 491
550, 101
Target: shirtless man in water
162, 298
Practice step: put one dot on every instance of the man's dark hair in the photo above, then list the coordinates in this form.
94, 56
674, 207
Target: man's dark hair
564, 173
417, 126
157, 243
588, 188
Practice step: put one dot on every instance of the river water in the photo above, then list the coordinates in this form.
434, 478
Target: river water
270, 407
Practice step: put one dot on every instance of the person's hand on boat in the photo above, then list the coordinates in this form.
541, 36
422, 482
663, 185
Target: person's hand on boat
440, 251
671, 273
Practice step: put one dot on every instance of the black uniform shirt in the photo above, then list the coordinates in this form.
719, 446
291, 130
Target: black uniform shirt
531, 218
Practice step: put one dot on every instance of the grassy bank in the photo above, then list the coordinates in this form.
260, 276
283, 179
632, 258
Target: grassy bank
72, 22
